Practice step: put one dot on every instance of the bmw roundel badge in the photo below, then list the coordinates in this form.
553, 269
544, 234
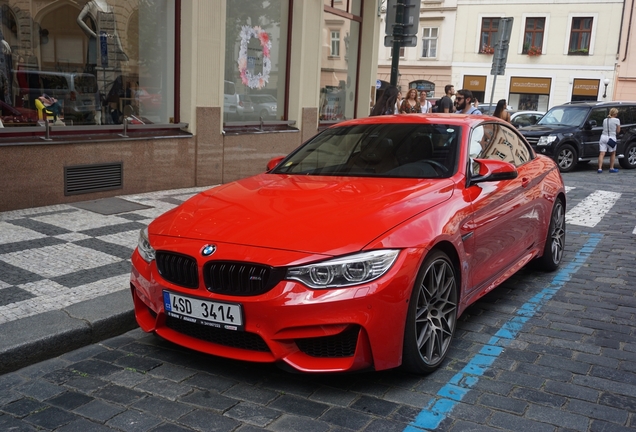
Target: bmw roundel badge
208, 250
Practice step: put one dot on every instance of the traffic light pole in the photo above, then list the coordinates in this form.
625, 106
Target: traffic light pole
398, 32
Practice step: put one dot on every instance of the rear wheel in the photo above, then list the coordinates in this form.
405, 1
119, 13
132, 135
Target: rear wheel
432, 315
629, 159
555, 240
566, 158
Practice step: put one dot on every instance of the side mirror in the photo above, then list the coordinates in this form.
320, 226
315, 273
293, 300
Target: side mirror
590, 124
274, 162
492, 170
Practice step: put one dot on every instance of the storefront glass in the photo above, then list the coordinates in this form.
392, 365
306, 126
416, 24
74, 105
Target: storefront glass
528, 93
255, 60
100, 61
338, 73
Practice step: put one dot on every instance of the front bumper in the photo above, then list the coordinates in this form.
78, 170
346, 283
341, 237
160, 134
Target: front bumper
333, 330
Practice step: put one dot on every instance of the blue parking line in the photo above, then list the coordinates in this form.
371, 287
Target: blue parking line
459, 385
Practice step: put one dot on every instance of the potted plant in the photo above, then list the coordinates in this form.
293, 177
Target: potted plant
581, 51
487, 49
534, 51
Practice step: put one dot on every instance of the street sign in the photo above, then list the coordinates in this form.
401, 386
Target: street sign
502, 41
410, 18
405, 41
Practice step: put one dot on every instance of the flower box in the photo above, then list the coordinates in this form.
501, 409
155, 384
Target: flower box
534, 51
487, 49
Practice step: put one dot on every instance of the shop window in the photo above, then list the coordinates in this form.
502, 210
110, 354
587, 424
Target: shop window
533, 37
338, 74
335, 43
429, 42
489, 27
255, 61
580, 35
103, 61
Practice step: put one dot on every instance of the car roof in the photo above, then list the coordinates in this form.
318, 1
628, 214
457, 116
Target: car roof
595, 103
469, 120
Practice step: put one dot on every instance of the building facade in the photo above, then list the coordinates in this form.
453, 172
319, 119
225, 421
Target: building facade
160, 94
625, 77
559, 51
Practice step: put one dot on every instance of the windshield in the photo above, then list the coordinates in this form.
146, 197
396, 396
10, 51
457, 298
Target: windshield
382, 150
565, 116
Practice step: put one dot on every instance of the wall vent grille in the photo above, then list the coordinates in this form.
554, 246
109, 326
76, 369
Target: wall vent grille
82, 179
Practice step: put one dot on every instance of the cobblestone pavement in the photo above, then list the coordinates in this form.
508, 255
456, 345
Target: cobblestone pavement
543, 352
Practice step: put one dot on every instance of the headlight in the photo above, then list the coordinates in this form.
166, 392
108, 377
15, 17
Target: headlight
146, 251
346, 271
546, 140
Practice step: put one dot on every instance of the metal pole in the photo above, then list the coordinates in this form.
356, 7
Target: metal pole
492, 93
47, 127
398, 32
125, 134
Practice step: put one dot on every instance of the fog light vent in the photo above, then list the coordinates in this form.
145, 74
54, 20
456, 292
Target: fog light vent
81, 179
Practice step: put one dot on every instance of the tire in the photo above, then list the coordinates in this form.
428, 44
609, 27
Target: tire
555, 239
629, 159
432, 315
566, 158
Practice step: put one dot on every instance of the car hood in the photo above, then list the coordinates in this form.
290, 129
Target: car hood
539, 130
326, 215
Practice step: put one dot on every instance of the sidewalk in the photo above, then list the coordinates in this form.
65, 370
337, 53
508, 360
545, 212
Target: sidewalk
64, 273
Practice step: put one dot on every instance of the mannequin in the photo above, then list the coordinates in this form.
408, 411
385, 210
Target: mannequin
102, 29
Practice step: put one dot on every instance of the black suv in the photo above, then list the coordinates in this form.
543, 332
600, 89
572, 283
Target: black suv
570, 133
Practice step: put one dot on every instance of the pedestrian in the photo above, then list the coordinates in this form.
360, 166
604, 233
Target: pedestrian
445, 104
425, 104
464, 102
398, 102
500, 110
607, 143
410, 104
386, 103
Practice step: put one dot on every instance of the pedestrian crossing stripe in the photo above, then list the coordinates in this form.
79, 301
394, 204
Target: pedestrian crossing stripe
592, 209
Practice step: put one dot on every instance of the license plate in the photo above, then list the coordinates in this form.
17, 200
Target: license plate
223, 315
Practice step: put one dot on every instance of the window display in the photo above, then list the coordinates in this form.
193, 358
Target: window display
255, 60
102, 60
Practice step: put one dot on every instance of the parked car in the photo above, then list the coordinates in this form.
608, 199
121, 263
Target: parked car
265, 106
230, 102
489, 109
570, 133
76, 92
525, 118
361, 249
245, 107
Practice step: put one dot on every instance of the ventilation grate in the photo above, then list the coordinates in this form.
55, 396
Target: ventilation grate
83, 179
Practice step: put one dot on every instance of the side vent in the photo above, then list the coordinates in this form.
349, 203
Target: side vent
81, 179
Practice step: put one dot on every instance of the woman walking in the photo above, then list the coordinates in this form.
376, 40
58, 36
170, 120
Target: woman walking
386, 103
500, 110
410, 104
607, 143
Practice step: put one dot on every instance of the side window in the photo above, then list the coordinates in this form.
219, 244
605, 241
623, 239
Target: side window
495, 141
627, 114
599, 114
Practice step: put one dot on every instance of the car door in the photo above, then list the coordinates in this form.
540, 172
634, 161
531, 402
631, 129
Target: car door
505, 220
627, 117
589, 136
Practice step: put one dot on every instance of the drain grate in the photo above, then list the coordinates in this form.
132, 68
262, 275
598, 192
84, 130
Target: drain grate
81, 179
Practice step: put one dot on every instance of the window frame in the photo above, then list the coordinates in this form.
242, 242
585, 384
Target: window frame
427, 41
334, 42
533, 32
489, 32
579, 32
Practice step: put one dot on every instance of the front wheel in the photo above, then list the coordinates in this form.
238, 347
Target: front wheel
555, 239
629, 156
432, 315
566, 158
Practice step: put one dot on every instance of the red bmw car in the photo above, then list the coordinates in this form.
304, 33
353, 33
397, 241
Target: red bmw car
359, 250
